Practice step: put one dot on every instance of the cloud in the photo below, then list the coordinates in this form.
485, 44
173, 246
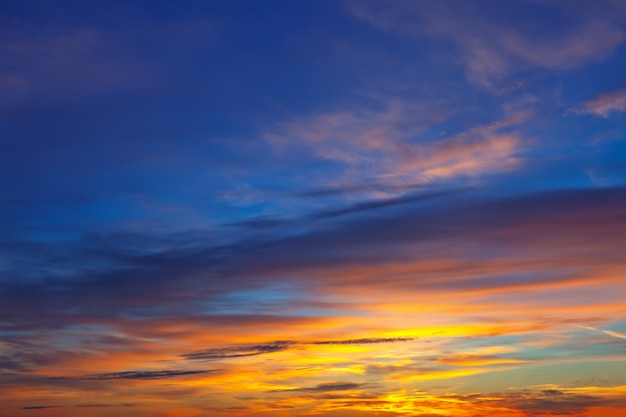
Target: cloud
12, 364
385, 203
360, 188
549, 402
372, 129
260, 223
39, 407
365, 341
493, 44
554, 217
529, 402
546, 402
325, 387
237, 409
604, 104
475, 360
385, 145
552, 392
557, 225
617, 335
239, 351
141, 375
465, 154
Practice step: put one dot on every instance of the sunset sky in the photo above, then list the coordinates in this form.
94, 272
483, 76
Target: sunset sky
275, 208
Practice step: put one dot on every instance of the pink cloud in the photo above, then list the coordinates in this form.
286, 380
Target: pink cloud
385, 143
605, 104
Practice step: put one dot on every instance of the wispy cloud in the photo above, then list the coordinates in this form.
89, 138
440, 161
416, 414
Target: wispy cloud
39, 407
612, 333
493, 45
385, 203
605, 104
386, 145
365, 341
140, 375
238, 351
325, 387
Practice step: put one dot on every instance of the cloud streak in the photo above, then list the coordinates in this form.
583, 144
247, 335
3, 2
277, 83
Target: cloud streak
39, 407
145, 375
617, 335
239, 351
605, 104
326, 387
376, 144
231, 352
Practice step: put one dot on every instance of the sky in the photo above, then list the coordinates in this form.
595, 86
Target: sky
391, 208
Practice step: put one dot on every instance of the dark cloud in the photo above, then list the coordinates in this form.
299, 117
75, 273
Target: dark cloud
332, 386
380, 204
325, 387
27, 353
552, 392
359, 188
365, 341
258, 223
239, 351
226, 409
145, 374
10, 364
267, 223
39, 407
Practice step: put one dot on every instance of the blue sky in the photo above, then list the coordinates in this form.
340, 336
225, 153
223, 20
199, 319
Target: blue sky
402, 205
